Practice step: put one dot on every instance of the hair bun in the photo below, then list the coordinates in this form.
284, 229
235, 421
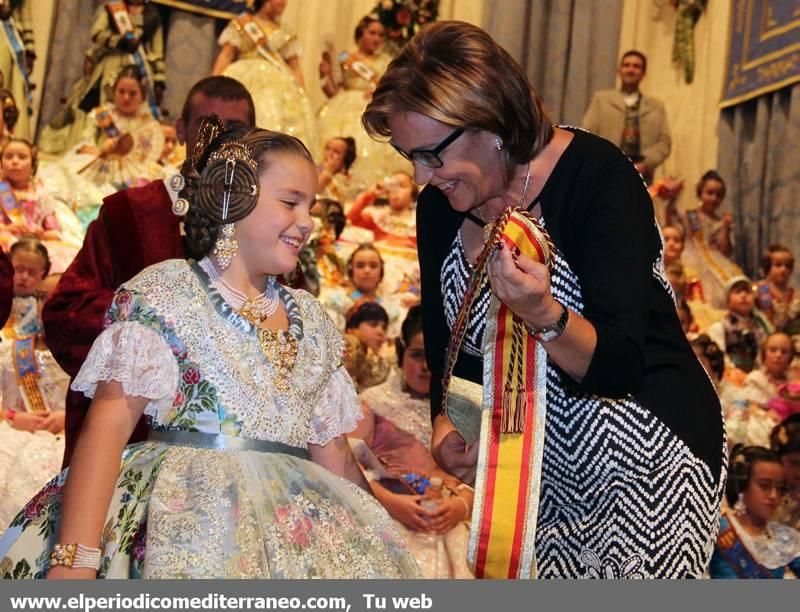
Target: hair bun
228, 187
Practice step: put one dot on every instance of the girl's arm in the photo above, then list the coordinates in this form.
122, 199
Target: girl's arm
225, 58
94, 470
294, 64
337, 457
724, 243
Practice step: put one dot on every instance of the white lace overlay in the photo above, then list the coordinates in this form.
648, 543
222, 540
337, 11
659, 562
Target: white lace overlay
137, 357
778, 547
233, 363
338, 411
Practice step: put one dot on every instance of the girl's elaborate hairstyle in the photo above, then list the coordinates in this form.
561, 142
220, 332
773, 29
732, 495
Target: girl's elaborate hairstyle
740, 468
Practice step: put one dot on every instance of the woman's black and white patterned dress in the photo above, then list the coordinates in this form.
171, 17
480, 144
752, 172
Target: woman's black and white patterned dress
627, 491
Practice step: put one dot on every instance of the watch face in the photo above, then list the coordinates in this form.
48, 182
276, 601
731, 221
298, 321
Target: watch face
549, 334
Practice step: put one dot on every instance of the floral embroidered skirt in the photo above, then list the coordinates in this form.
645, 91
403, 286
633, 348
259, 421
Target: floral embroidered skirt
180, 512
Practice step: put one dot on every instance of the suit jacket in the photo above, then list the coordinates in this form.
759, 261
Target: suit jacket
135, 229
6, 287
606, 117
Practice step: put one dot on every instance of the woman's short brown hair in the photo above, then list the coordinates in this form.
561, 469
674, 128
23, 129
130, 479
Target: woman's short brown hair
455, 73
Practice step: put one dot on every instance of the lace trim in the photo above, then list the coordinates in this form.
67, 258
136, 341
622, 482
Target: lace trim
777, 548
337, 412
139, 359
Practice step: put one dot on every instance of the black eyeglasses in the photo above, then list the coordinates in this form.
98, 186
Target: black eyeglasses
430, 157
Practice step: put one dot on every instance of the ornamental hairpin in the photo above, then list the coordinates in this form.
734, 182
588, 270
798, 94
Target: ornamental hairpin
233, 153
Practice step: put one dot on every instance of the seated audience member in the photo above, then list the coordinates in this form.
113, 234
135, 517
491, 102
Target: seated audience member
743, 328
395, 223
777, 352
30, 262
136, 228
753, 402
32, 393
708, 241
29, 209
365, 339
397, 429
365, 269
335, 181
750, 543
785, 442
774, 296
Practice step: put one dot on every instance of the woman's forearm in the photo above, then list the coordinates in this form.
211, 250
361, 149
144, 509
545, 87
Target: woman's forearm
574, 349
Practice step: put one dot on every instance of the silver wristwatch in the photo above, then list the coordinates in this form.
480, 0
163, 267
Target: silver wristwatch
554, 330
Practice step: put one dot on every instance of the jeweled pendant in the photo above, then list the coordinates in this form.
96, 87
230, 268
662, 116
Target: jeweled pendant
226, 247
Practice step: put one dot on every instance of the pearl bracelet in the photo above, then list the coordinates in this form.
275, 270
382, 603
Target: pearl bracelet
75, 556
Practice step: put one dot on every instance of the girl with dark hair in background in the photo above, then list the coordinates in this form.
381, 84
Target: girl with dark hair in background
349, 80
432, 507
708, 239
785, 442
260, 53
750, 543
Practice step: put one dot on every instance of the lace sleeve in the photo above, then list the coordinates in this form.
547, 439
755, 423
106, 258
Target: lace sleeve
231, 36
338, 410
135, 356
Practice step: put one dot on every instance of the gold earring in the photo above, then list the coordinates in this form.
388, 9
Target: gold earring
226, 246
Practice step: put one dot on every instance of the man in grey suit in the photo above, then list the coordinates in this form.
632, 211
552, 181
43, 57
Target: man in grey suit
631, 120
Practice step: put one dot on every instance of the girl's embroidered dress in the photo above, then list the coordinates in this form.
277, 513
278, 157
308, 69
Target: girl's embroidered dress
185, 509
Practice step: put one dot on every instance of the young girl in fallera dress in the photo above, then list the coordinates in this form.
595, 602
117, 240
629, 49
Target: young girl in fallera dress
247, 472
27, 208
32, 387
751, 544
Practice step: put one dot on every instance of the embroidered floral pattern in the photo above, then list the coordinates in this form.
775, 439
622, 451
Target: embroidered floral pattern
195, 395
610, 569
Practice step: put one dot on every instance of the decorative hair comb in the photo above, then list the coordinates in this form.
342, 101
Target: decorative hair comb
233, 151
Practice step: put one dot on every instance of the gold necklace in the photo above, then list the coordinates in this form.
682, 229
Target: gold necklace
280, 349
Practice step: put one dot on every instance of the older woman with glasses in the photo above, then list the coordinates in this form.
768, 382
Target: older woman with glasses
602, 453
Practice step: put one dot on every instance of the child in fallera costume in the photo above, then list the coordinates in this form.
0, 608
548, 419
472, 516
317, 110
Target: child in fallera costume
263, 56
27, 208
709, 243
774, 296
397, 429
119, 147
247, 472
124, 33
365, 339
32, 389
751, 544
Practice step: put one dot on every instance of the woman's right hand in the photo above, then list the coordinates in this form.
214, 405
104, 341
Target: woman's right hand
68, 573
407, 510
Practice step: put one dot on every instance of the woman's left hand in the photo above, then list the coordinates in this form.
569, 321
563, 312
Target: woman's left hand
524, 286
